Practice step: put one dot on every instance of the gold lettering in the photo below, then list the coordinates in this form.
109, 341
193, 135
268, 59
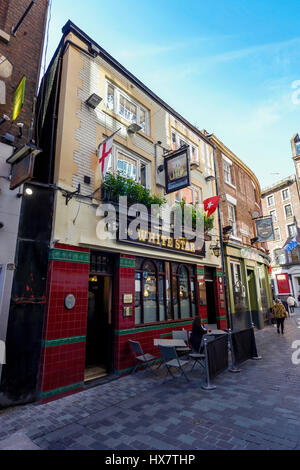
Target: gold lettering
187, 246
170, 243
164, 240
193, 249
158, 239
142, 235
182, 244
152, 237
177, 244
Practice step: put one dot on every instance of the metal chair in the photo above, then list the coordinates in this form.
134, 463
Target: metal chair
171, 360
140, 356
197, 356
181, 334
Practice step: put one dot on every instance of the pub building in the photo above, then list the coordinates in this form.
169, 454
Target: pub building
100, 291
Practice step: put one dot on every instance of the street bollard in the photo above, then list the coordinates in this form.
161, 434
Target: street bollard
233, 369
257, 357
208, 385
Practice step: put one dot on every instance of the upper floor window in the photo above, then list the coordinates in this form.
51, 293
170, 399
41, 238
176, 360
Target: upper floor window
273, 215
288, 211
277, 234
178, 141
227, 172
292, 230
191, 195
232, 218
270, 200
130, 165
132, 111
280, 256
285, 194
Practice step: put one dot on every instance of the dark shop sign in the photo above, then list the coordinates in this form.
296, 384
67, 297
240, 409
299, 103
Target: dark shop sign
22, 171
164, 242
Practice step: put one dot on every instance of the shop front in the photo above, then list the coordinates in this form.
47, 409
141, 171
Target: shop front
249, 286
98, 300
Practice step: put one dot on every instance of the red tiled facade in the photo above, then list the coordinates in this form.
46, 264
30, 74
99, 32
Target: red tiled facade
64, 349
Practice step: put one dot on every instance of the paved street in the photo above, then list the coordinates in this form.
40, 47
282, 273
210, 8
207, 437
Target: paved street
256, 409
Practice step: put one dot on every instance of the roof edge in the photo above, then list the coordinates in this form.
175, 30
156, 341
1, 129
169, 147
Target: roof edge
70, 27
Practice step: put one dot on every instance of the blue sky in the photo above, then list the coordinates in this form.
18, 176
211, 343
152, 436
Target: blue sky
228, 66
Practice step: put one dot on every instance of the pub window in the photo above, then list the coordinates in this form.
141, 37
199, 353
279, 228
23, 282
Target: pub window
185, 306
150, 291
164, 291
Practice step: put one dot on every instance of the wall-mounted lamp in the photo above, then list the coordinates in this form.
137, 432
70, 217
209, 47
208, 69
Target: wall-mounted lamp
216, 249
93, 101
133, 128
210, 178
28, 192
227, 229
20, 127
4, 119
194, 165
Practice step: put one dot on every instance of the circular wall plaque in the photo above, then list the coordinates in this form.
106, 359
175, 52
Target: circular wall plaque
70, 301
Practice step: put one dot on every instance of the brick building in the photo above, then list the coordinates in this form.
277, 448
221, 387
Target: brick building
247, 262
20, 56
281, 201
103, 292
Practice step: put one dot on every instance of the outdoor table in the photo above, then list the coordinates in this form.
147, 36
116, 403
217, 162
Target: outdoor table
177, 343
216, 333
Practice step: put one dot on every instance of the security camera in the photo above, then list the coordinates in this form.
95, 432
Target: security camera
20, 126
56, 240
4, 119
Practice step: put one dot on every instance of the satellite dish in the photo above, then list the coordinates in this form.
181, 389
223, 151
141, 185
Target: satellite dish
255, 214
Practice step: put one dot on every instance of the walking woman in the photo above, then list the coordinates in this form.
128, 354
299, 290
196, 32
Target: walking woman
280, 314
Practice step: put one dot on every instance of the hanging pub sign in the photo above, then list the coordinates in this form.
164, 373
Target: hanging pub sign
177, 169
264, 229
22, 171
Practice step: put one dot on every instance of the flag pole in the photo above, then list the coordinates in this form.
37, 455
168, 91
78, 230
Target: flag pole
109, 137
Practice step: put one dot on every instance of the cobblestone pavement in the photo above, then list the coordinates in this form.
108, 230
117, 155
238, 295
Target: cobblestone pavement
258, 408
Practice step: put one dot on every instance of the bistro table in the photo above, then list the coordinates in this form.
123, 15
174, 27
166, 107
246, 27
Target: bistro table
216, 333
177, 343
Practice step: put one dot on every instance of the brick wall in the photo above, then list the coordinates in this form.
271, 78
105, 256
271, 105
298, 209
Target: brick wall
24, 52
247, 201
281, 221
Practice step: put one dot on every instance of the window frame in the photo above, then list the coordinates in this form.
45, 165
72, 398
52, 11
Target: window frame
116, 149
195, 189
271, 205
274, 217
192, 275
289, 194
292, 212
116, 107
277, 239
234, 225
179, 137
288, 232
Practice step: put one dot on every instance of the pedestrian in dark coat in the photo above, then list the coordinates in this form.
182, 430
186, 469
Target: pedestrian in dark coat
197, 333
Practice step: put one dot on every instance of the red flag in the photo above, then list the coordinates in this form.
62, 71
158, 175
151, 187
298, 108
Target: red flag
211, 204
104, 153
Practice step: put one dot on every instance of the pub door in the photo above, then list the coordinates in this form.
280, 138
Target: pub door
211, 304
99, 335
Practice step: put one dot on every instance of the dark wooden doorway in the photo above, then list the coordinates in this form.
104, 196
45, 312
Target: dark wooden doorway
99, 336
